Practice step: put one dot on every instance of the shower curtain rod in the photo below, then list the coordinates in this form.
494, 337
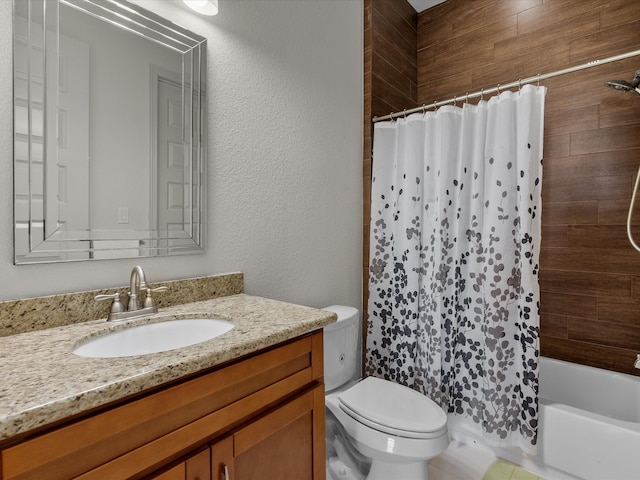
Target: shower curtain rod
499, 88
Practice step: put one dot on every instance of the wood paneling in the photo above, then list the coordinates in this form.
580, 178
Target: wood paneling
611, 139
591, 165
587, 283
592, 354
394, 36
553, 325
590, 294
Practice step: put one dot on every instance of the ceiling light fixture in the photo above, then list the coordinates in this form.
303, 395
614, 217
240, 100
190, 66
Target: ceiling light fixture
205, 7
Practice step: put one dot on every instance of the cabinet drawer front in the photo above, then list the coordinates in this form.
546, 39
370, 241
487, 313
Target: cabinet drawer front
86, 444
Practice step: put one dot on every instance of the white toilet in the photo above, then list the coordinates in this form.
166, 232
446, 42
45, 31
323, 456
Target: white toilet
376, 429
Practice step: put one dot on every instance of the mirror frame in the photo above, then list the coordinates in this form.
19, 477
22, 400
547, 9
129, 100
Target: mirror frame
39, 238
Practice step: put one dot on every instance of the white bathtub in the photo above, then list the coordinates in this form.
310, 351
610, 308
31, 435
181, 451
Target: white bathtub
589, 424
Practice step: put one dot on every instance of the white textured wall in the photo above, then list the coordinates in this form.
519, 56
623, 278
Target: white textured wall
285, 150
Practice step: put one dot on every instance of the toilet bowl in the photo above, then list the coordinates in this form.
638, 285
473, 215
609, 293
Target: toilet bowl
397, 429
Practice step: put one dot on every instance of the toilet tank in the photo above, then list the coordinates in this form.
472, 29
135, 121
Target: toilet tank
341, 346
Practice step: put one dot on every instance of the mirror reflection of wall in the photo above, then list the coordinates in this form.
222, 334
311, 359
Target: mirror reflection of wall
119, 121
114, 119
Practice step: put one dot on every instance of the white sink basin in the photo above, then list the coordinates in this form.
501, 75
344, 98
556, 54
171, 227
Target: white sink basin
153, 338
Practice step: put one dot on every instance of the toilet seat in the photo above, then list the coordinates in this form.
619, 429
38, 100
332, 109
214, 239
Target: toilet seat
394, 409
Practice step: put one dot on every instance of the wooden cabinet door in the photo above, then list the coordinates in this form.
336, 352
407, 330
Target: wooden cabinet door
286, 444
198, 467
222, 459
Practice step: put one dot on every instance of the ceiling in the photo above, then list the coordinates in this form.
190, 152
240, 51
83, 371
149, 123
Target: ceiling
420, 5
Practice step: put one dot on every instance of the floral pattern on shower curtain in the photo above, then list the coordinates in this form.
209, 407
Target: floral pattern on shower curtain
453, 273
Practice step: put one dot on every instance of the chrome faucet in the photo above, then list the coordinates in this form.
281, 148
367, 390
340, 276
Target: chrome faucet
137, 283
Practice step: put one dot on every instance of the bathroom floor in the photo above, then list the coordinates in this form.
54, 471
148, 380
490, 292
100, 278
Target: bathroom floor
464, 462
461, 462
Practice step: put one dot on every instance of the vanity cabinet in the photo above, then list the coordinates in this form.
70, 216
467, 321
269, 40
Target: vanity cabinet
261, 416
276, 446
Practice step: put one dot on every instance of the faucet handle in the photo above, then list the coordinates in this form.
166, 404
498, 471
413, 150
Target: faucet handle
148, 301
116, 306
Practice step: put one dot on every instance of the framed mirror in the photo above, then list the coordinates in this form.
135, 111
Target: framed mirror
109, 132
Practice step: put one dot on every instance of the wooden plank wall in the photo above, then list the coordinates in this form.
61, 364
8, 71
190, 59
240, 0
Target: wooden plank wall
590, 275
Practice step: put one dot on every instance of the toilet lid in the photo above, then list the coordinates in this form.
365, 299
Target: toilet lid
393, 408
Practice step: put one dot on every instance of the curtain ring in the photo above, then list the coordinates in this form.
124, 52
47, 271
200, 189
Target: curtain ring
455, 101
393, 118
424, 109
499, 92
538, 79
435, 105
481, 94
519, 84
404, 113
466, 100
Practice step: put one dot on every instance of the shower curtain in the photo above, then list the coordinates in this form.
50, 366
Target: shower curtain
453, 271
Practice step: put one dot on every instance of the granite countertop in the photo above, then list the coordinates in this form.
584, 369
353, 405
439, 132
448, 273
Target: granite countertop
43, 381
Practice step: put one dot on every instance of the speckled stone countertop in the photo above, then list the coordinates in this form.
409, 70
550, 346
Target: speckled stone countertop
29, 314
42, 381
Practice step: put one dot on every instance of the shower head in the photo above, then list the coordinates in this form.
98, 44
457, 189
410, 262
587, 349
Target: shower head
632, 86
